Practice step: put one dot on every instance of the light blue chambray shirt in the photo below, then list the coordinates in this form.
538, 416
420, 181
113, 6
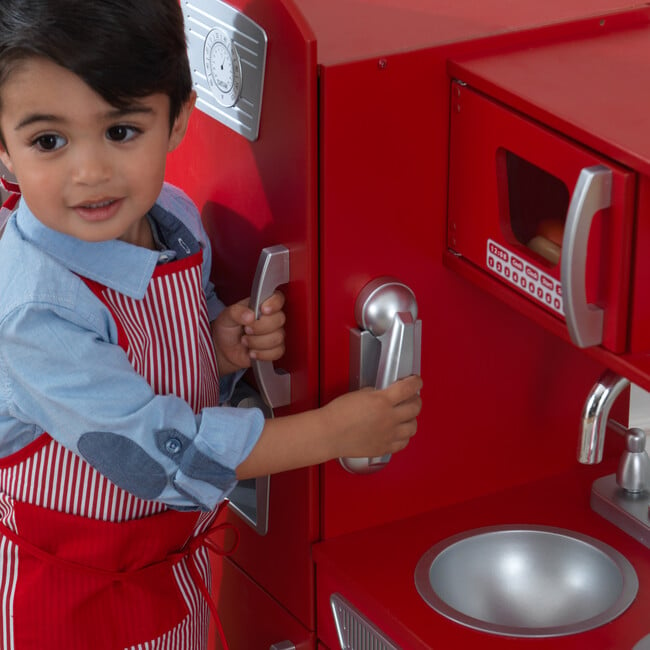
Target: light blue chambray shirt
62, 371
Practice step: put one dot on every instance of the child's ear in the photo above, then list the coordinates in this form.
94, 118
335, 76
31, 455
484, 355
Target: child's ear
5, 158
180, 123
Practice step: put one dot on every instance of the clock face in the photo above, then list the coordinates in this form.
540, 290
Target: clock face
222, 67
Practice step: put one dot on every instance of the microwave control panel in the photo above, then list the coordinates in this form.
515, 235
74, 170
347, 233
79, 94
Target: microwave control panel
517, 271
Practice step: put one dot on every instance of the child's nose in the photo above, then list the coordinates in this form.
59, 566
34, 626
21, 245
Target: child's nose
90, 164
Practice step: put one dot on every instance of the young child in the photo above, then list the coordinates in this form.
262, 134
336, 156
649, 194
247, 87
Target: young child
116, 357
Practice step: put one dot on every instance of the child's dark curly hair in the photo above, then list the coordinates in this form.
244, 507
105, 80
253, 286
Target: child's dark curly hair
123, 49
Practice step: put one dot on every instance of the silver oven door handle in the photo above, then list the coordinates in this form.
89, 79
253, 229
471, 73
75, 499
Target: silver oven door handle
250, 498
387, 347
272, 271
593, 192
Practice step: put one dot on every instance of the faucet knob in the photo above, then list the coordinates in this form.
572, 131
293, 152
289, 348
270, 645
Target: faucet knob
633, 473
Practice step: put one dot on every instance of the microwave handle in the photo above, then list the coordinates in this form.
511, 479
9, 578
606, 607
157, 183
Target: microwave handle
385, 349
272, 271
593, 192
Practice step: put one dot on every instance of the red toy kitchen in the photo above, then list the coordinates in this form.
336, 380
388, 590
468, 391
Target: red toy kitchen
479, 173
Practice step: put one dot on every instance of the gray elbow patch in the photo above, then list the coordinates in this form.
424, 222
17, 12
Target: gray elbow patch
124, 463
199, 466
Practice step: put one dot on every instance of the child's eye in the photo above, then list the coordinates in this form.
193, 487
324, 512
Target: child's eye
49, 142
122, 133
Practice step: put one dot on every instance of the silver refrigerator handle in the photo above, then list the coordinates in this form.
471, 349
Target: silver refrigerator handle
272, 271
387, 347
593, 192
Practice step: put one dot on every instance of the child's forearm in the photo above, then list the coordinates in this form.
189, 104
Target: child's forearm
361, 423
288, 443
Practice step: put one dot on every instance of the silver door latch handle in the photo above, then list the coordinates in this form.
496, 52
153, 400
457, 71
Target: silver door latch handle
272, 271
387, 347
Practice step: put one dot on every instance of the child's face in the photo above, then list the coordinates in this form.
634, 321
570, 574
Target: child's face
84, 167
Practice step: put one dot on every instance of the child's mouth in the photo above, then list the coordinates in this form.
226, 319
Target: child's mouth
98, 210
98, 204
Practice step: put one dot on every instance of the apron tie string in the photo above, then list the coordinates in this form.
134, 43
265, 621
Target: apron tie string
14, 193
203, 540
10, 202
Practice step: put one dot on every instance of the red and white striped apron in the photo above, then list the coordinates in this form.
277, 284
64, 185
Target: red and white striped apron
85, 564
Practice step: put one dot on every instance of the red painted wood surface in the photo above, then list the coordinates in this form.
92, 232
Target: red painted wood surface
373, 569
257, 194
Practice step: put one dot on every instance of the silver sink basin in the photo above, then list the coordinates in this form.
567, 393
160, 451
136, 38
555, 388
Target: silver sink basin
526, 581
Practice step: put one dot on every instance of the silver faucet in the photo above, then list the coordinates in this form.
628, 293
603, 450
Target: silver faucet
595, 415
622, 498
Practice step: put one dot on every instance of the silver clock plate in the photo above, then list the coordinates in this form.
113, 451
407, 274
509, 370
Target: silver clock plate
227, 53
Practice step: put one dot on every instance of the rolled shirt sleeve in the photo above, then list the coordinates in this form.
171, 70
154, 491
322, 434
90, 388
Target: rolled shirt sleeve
62, 376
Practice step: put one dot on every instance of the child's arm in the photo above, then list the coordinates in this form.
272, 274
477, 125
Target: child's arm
362, 423
60, 376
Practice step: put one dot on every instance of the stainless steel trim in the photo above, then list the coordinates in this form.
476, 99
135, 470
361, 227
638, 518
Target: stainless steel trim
257, 489
354, 630
629, 511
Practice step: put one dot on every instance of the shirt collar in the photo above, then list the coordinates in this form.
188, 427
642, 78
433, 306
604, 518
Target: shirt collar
115, 264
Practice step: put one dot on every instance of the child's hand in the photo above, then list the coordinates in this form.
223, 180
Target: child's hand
238, 337
372, 422
365, 423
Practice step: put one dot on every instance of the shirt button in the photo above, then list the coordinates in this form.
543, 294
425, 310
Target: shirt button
173, 445
163, 257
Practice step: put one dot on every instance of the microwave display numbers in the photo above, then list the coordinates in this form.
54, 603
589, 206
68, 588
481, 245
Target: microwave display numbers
497, 251
525, 276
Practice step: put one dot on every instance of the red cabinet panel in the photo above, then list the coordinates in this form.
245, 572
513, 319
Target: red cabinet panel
383, 212
250, 617
640, 305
